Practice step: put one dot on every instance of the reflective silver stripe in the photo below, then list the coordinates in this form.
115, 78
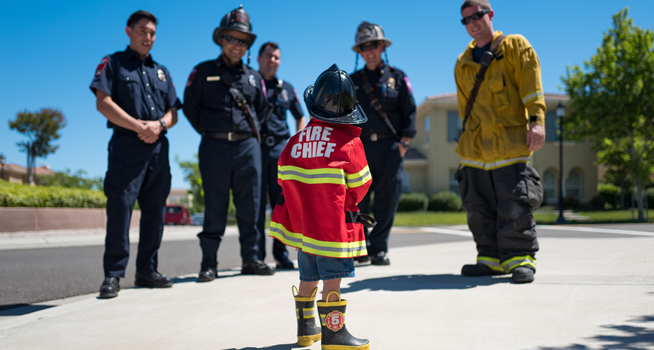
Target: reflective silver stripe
520, 262
493, 165
532, 95
492, 264
360, 178
309, 313
311, 176
302, 243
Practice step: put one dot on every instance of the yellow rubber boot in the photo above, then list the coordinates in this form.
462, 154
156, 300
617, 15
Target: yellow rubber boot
334, 334
307, 330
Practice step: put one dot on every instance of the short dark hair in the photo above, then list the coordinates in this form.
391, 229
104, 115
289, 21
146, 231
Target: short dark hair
138, 15
484, 4
272, 44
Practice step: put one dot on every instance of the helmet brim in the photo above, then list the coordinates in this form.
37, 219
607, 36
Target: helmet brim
357, 116
387, 43
217, 33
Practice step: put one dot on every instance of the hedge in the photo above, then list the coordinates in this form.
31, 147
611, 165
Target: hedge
413, 201
19, 195
445, 201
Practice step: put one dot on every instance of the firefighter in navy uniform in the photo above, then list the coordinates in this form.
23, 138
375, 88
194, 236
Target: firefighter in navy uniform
137, 96
223, 101
275, 133
384, 92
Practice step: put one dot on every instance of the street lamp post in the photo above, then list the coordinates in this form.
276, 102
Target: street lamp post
2, 162
560, 112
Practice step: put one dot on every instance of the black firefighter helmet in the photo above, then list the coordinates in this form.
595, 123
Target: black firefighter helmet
332, 98
368, 32
237, 20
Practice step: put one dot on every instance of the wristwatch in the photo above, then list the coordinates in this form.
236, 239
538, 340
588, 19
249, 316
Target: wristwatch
163, 123
406, 144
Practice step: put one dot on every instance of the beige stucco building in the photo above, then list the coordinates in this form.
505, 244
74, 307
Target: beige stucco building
431, 165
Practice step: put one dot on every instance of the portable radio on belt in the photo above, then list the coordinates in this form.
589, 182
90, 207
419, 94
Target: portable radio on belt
240, 100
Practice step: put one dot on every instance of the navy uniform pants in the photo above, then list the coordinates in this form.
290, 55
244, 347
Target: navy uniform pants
137, 171
234, 165
270, 188
499, 205
386, 165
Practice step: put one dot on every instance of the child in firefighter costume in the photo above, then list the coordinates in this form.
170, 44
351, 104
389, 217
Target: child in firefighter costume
324, 174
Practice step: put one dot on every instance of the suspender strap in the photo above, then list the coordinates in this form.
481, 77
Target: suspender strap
239, 99
271, 100
486, 60
374, 103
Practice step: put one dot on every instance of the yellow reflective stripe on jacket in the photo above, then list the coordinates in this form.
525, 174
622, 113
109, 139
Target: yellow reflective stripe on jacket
516, 261
312, 176
358, 179
496, 164
532, 96
492, 263
317, 247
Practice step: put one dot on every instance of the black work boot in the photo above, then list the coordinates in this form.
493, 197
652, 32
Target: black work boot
208, 268
362, 259
522, 274
257, 267
380, 259
284, 263
152, 280
477, 270
307, 330
110, 287
334, 334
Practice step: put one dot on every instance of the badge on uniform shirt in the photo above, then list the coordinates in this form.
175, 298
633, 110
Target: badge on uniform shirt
252, 81
161, 75
101, 66
391, 83
284, 95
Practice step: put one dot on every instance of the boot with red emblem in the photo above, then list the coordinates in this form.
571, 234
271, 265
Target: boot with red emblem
307, 330
334, 334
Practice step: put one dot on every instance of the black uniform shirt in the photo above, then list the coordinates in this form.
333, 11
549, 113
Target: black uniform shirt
209, 106
393, 90
286, 99
142, 88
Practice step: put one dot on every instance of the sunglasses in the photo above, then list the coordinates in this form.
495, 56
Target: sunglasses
475, 16
236, 41
366, 47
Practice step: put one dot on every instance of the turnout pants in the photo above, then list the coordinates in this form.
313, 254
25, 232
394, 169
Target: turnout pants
499, 204
136, 171
386, 166
234, 165
270, 188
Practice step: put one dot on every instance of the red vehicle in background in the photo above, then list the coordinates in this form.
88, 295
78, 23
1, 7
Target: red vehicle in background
177, 215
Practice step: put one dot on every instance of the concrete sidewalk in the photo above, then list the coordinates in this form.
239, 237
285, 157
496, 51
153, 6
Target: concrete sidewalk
588, 294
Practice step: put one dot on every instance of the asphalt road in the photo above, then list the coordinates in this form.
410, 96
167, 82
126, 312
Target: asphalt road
34, 275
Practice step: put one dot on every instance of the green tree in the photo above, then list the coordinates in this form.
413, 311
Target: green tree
191, 171
611, 100
72, 180
41, 128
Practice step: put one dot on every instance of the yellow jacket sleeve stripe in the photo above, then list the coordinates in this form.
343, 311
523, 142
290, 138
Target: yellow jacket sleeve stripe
358, 179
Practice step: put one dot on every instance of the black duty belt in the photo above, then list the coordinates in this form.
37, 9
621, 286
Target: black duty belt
271, 140
376, 136
229, 136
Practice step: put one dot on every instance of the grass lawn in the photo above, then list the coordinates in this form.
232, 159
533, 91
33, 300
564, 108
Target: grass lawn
426, 218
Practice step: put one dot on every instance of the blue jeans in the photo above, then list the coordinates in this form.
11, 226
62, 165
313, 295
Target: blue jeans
314, 268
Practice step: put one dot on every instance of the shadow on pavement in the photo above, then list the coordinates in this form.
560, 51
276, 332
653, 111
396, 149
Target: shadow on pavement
630, 337
419, 282
184, 280
272, 347
21, 309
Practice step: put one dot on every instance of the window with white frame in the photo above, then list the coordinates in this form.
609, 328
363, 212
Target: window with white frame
406, 182
454, 185
549, 186
573, 184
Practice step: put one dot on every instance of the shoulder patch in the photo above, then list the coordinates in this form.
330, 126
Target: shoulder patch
408, 84
190, 77
101, 66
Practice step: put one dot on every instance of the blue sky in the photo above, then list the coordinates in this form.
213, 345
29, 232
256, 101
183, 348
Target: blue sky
51, 50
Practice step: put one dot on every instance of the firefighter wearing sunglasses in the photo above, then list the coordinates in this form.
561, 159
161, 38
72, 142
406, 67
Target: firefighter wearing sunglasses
224, 101
503, 118
384, 92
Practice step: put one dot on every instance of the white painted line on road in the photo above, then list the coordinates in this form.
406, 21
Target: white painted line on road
594, 230
446, 231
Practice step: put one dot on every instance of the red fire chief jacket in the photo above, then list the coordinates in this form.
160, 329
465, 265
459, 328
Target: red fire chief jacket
324, 173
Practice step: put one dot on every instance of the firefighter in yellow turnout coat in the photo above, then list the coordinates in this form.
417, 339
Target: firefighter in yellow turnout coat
498, 186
